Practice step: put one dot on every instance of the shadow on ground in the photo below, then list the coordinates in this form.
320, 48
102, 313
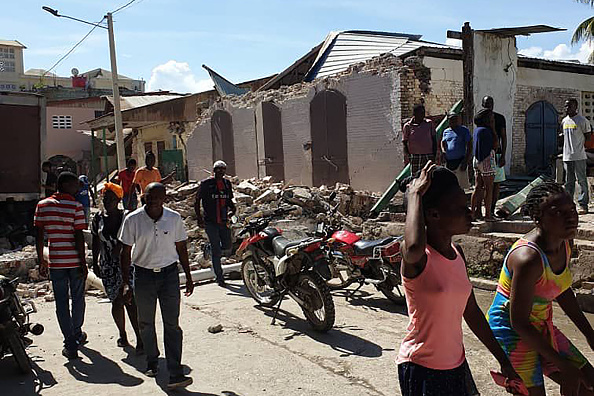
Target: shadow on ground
100, 370
15, 383
372, 301
337, 338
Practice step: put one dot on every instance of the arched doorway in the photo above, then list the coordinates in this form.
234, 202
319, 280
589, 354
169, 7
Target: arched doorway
223, 140
272, 126
542, 122
329, 138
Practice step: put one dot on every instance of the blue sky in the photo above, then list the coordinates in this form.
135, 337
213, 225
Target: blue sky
166, 42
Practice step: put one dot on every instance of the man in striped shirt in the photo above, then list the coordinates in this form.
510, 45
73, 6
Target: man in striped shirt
62, 218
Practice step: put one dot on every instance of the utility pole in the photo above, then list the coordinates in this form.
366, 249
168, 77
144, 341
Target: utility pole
119, 128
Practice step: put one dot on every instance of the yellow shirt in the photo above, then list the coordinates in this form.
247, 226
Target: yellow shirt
143, 177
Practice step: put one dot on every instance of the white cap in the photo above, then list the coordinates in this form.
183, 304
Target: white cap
219, 164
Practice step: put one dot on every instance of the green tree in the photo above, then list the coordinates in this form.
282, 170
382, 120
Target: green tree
585, 31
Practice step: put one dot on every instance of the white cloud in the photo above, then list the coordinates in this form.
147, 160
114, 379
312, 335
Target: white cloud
453, 42
177, 77
561, 52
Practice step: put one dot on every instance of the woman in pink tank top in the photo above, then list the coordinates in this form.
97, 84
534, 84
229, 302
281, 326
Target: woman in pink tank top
431, 360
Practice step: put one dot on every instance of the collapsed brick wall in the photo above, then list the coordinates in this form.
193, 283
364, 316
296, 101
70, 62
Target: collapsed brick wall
525, 97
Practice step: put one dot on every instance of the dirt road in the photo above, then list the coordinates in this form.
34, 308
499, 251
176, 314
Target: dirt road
250, 357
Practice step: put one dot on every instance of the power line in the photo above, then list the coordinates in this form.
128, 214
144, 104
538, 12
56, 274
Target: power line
73, 48
128, 4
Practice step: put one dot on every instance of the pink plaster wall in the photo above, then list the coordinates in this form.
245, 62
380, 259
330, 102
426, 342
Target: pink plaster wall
68, 142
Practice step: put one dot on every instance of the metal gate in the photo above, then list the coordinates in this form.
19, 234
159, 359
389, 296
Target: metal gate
542, 122
274, 157
173, 160
222, 139
329, 138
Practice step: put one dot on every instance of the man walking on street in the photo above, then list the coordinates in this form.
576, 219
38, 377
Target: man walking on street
62, 218
125, 178
216, 196
500, 149
154, 241
456, 144
147, 174
576, 129
418, 139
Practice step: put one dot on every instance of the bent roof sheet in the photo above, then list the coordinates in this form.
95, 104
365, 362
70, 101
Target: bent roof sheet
343, 49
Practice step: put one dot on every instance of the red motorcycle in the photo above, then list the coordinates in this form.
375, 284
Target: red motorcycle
351, 259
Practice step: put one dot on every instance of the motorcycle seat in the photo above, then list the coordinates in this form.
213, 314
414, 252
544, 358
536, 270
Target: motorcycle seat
280, 245
365, 248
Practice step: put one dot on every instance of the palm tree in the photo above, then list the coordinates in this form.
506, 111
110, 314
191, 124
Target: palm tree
585, 30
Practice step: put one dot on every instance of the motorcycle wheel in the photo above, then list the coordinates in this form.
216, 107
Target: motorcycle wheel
342, 275
254, 275
317, 294
391, 286
18, 351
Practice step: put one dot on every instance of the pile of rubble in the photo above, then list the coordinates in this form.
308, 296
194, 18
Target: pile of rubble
258, 196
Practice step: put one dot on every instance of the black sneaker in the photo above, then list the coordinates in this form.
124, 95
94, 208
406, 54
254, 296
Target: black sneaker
152, 371
179, 382
70, 354
82, 340
221, 283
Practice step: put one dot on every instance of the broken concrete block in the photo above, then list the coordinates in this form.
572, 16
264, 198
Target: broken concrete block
588, 285
195, 232
267, 179
243, 199
49, 298
248, 188
188, 189
267, 196
302, 193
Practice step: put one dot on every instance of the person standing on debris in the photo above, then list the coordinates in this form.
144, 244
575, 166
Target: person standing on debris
438, 292
62, 218
50, 179
104, 228
484, 164
456, 144
500, 147
535, 273
83, 196
125, 179
216, 196
154, 241
576, 129
418, 139
147, 174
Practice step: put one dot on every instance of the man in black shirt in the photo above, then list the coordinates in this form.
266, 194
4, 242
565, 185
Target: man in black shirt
50, 179
216, 196
500, 148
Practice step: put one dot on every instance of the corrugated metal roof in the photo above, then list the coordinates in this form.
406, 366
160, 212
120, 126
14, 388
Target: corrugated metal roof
222, 85
522, 30
12, 43
131, 102
343, 49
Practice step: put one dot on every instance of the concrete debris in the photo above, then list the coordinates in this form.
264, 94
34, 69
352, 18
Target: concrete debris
215, 329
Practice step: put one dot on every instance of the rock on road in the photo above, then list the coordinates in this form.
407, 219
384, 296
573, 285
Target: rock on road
249, 357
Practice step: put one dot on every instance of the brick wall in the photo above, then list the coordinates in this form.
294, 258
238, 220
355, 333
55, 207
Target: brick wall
525, 97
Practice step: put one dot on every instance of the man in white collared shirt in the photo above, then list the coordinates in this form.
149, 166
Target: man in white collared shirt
154, 241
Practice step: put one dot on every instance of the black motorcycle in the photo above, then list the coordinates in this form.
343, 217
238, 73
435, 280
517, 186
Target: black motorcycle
274, 266
15, 325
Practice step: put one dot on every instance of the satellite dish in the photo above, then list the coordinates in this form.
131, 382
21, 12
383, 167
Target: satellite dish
74, 71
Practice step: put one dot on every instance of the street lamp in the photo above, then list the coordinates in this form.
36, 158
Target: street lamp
119, 128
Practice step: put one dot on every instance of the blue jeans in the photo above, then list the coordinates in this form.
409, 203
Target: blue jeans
130, 201
69, 284
219, 236
577, 170
149, 287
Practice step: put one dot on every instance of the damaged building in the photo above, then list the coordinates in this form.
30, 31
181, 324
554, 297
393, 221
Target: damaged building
336, 114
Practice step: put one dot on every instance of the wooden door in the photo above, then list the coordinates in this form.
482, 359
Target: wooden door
222, 139
273, 141
329, 138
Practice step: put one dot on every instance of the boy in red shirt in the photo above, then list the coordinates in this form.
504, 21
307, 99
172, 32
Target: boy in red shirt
125, 179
